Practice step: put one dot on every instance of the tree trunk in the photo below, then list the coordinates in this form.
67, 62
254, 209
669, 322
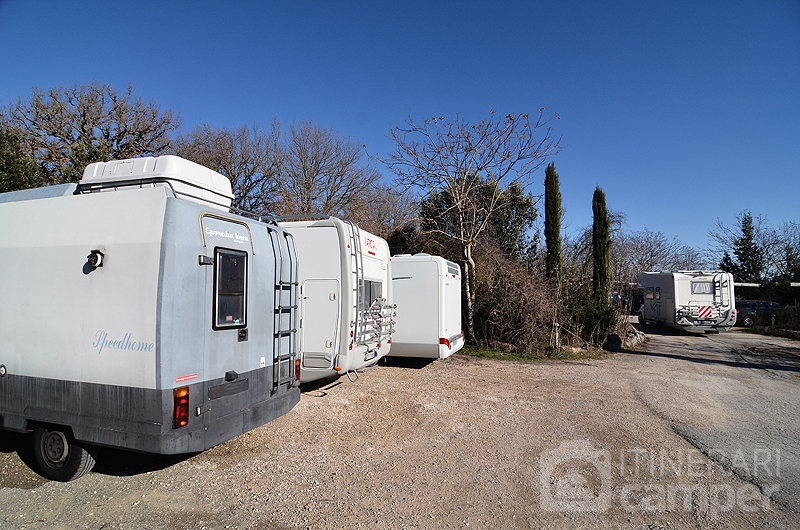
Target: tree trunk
469, 272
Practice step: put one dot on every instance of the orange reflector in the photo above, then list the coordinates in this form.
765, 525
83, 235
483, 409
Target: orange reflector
338, 369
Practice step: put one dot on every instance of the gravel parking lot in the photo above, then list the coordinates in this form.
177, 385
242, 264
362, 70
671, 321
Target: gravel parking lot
464, 442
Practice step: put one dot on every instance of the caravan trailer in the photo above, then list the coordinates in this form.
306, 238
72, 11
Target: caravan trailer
427, 292
346, 306
139, 313
696, 300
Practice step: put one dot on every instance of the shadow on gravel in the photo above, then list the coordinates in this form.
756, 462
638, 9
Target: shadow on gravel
115, 462
773, 358
11, 441
406, 362
653, 329
320, 387
119, 463
788, 367
15, 474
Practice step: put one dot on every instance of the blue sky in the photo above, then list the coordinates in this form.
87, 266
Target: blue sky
681, 111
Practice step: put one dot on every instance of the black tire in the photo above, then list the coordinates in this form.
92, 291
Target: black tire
58, 456
747, 321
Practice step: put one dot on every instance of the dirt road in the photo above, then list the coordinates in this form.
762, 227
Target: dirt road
734, 396
469, 442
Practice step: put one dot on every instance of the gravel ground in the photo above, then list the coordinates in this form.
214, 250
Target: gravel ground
462, 442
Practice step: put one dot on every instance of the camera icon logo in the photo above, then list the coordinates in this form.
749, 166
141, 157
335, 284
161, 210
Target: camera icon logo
575, 477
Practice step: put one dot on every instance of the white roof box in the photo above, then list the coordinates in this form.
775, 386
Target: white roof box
189, 180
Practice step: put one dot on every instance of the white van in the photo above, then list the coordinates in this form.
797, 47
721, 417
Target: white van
346, 307
698, 300
427, 293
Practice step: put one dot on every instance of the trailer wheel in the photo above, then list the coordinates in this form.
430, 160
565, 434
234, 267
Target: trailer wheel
58, 456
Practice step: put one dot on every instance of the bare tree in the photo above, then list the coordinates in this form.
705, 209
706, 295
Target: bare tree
387, 210
249, 156
66, 128
324, 173
456, 158
645, 250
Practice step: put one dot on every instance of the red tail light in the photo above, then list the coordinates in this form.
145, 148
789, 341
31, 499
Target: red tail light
445, 342
181, 399
297, 369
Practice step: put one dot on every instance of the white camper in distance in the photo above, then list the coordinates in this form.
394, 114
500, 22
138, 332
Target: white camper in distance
138, 313
346, 296
427, 292
697, 300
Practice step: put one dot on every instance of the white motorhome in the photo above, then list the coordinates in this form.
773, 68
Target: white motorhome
346, 296
696, 300
137, 312
427, 293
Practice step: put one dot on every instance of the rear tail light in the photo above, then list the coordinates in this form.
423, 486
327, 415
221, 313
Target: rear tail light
297, 369
181, 400
445, 342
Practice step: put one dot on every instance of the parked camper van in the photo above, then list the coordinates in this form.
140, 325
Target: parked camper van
139, 313
346, 296
699, 300
427, 292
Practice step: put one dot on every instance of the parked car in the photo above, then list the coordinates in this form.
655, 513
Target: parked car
748, 312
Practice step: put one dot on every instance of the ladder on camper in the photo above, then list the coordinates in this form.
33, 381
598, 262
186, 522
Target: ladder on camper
285, 347
721, 286
356, 257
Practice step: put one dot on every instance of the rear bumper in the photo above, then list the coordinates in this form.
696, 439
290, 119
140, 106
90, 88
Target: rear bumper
140, 419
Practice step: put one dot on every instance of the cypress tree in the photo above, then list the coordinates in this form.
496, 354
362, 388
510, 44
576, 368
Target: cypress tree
552, 224
601, 248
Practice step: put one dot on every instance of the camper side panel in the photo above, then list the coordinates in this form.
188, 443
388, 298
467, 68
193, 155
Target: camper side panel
658, 287
62, 319
417, 293
79, 343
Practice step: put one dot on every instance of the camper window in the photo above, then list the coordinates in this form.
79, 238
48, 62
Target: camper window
649, 293
702, 288
372, 291
658, 293
230, 285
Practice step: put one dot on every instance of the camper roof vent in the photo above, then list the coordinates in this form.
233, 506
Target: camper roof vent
187, 179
